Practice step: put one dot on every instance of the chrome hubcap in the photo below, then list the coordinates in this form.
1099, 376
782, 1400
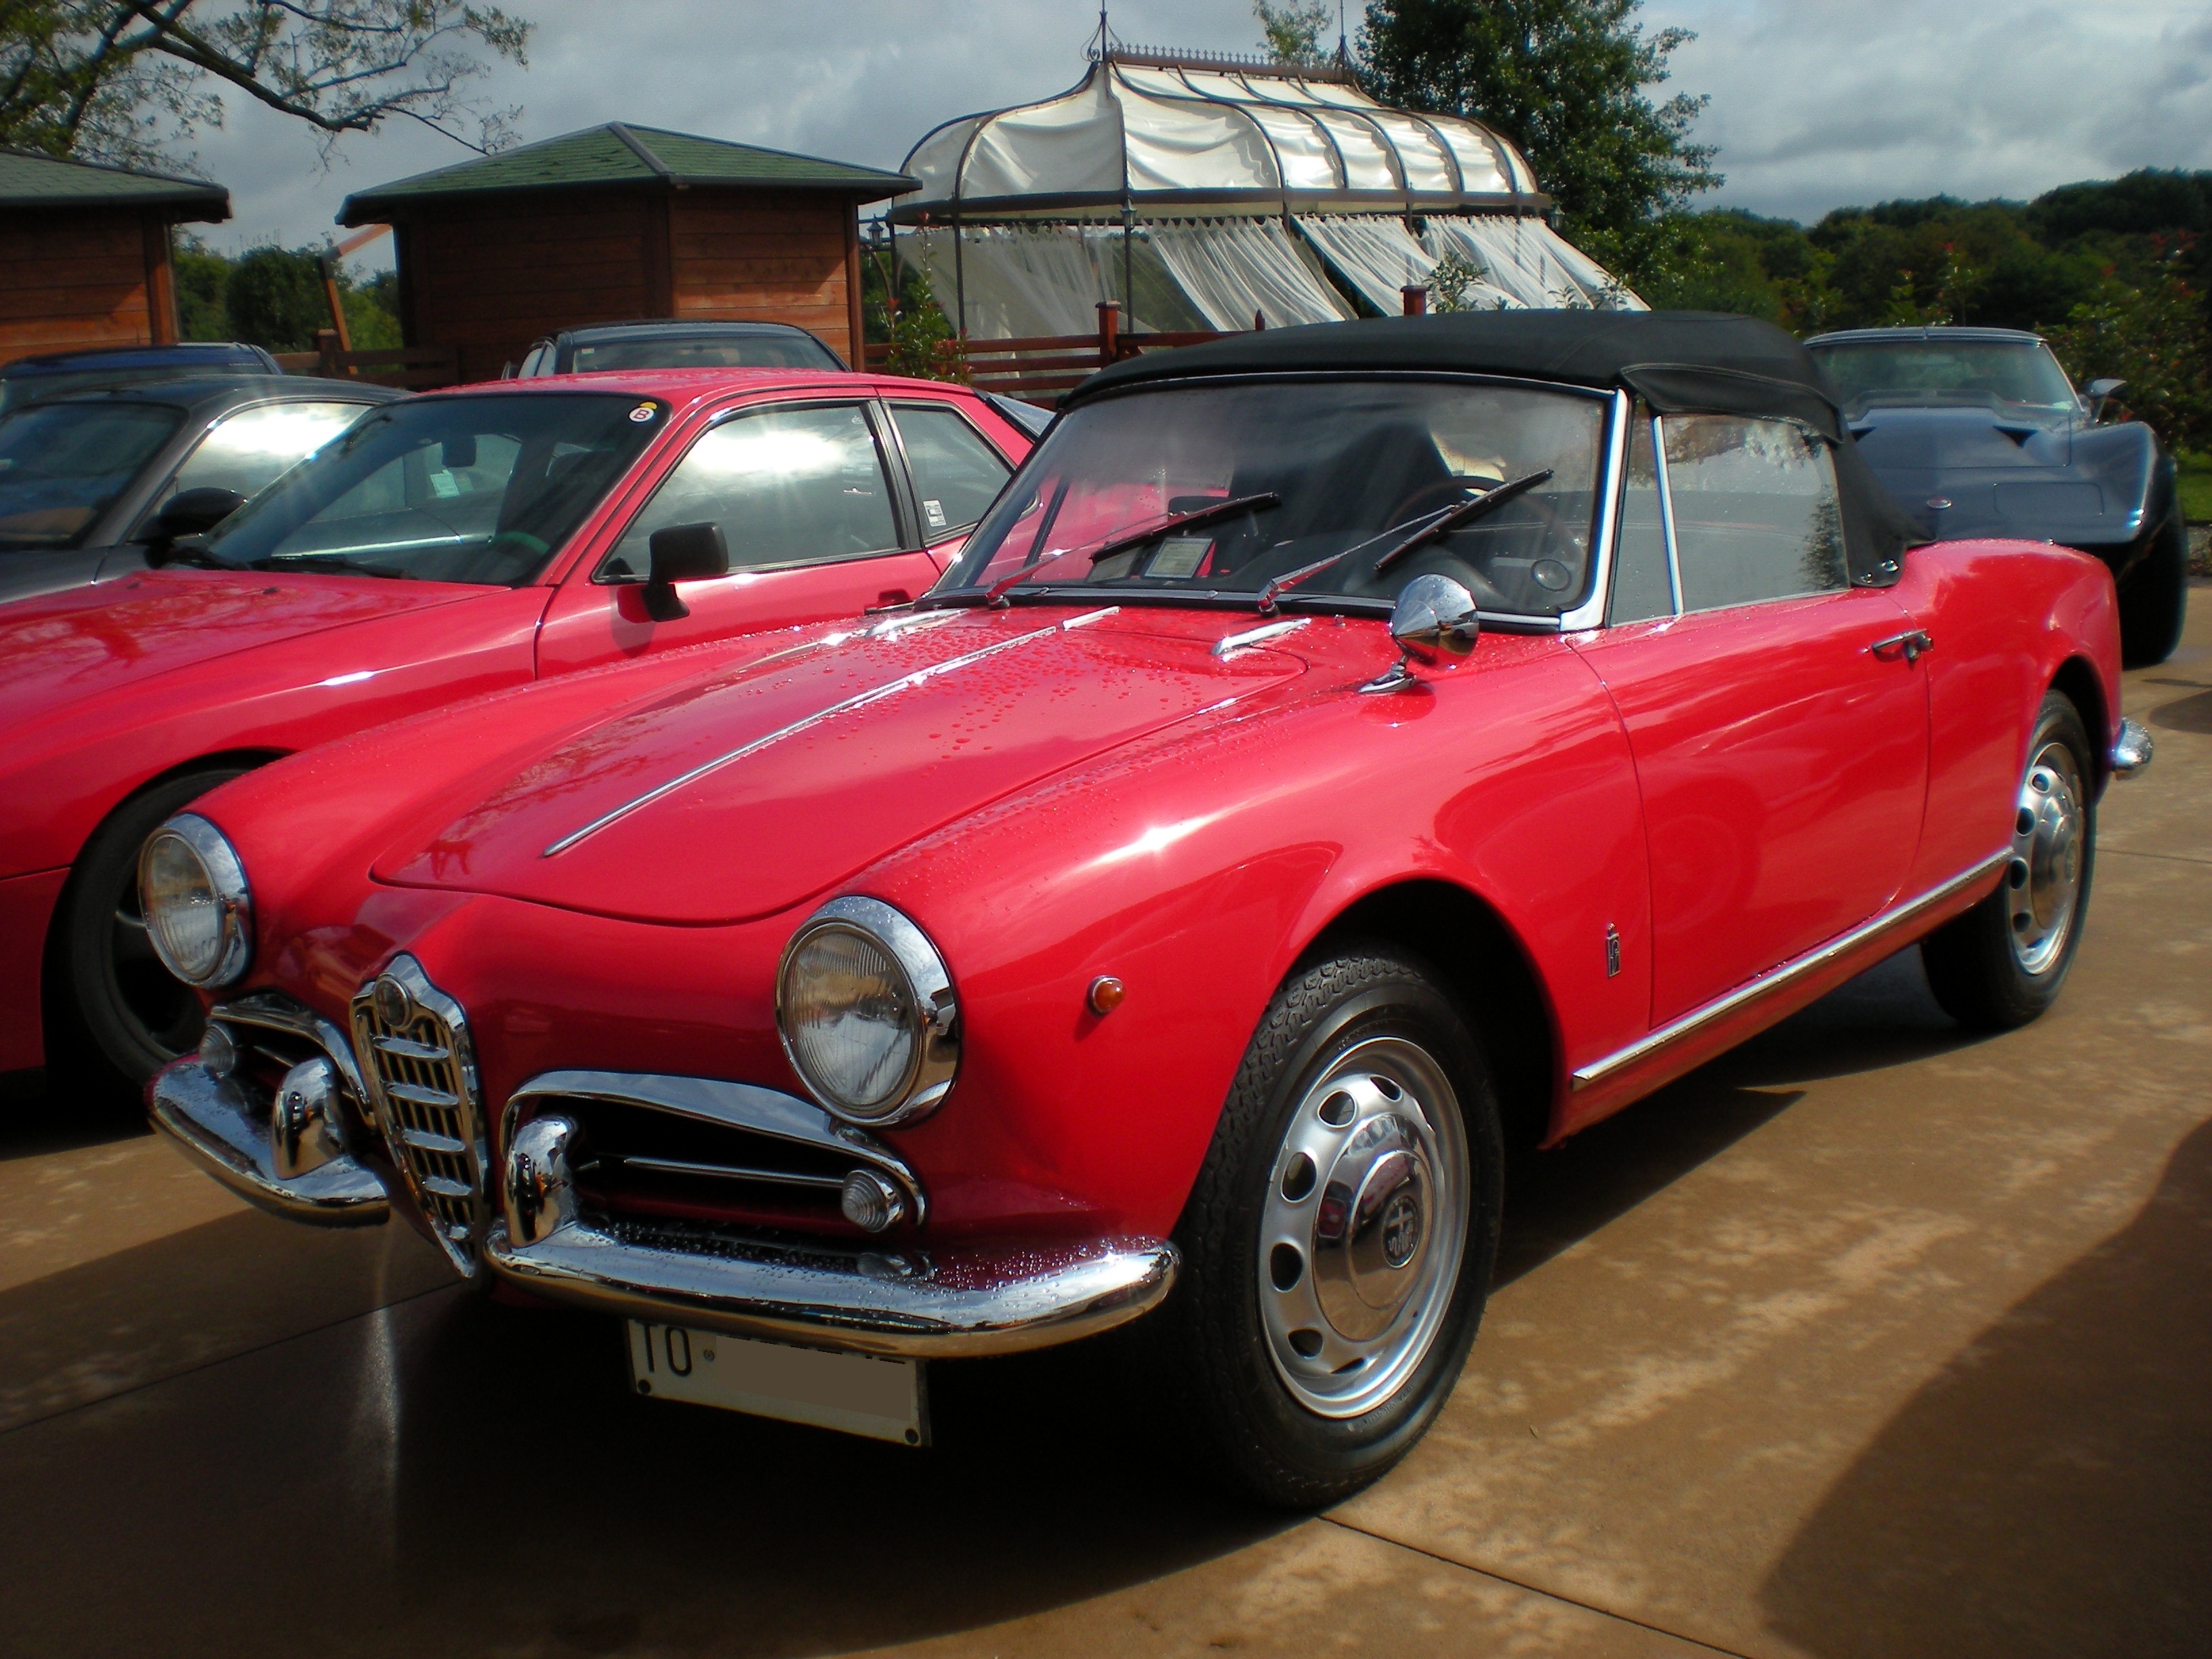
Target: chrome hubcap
2043, 880
1363, 1227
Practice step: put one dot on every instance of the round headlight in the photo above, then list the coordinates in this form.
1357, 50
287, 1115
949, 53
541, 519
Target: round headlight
200, 914
866, 1011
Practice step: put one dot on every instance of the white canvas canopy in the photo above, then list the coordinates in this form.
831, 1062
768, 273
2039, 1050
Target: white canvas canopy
1202, 192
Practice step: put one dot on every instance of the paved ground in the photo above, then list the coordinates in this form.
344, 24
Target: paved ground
1863, 1341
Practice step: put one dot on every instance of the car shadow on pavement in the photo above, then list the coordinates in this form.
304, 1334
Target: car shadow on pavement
1885, 1017
2050, 1491
36, 1117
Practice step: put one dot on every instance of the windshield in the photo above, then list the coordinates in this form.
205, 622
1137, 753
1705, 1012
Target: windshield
2022, 373
1328, 468
730, 351
63, 465
455, 489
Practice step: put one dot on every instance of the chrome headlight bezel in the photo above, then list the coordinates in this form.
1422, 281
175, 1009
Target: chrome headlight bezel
934, 1023
225, 875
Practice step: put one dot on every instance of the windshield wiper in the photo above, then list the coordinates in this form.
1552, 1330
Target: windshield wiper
1121, 540
320, 562
1465, 513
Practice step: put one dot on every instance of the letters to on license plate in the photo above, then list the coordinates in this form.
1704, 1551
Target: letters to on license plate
858, 1393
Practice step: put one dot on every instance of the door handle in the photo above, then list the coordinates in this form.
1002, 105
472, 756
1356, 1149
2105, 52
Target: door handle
1914, 642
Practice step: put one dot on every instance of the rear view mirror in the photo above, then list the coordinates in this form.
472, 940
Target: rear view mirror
1434, 619
682, 553
193, 513
459, 452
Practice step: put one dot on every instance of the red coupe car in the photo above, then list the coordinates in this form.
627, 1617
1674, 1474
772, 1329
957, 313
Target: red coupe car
1339, 750
450, 544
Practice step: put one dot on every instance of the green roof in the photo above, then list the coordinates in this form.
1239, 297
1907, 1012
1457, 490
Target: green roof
32, 179
618, 154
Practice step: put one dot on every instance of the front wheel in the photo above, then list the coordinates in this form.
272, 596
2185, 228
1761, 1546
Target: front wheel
2001, 963
1338, 1244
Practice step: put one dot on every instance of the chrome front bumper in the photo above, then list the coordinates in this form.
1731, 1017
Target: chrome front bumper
952, 1304
958, 1302
222, 1131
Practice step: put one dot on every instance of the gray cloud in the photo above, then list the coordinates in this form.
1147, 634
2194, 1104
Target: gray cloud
1813, 106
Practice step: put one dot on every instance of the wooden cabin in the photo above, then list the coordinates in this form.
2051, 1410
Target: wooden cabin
84, 253
617, 223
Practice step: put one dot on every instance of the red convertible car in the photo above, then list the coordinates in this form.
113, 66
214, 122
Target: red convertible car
448, 545
1339, 750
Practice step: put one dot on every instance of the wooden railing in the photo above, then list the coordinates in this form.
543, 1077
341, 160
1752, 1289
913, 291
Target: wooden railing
1039, 369
413, 367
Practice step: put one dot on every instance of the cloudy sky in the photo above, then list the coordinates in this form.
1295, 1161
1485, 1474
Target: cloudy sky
1815, 105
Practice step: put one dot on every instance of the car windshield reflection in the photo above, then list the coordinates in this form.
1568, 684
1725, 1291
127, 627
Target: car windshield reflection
2016, 373
482, 488
63, 465
1326, 474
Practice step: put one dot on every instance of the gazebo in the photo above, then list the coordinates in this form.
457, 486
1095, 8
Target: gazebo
617, 223
84, 253
1203, 191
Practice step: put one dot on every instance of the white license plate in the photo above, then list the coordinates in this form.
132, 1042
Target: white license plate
858, 1393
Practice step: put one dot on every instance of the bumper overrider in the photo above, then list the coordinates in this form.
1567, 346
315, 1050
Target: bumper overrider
283, 1111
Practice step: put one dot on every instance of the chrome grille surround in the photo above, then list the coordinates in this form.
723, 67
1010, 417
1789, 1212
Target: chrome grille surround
412, 1042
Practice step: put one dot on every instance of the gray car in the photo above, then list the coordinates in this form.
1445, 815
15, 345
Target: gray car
1977, 432
90, 482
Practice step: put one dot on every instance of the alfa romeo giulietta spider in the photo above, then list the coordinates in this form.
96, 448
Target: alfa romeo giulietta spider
1340, 752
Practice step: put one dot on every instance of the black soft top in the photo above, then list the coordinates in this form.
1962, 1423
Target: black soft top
1678, 362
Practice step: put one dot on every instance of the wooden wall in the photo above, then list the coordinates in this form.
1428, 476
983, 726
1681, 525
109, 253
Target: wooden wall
758, 256
78, 279
488, 279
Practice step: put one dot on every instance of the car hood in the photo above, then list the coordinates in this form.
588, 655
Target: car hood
65, 648
1964, 473
745, 790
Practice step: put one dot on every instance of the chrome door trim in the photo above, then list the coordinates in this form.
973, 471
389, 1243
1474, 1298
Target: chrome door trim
1790, 973
1666, 510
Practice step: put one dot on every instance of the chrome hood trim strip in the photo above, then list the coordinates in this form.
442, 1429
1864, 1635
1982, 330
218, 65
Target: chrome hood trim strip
860, 700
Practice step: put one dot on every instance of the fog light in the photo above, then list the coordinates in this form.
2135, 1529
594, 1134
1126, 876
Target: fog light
218, 1053
870, 1202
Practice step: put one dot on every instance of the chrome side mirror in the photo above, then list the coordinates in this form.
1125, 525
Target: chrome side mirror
1434, 620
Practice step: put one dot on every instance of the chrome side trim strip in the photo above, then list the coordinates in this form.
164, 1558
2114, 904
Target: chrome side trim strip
1252, 636
219, 1129
860, 700
769, 1112
1777, 979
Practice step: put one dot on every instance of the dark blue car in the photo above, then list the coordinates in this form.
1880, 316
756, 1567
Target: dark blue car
1978, 432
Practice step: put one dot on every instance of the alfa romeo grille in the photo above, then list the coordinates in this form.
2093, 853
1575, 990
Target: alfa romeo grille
412, 1041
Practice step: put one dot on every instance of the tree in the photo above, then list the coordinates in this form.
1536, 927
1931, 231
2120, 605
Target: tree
1565, 81
1291, 33
121, 80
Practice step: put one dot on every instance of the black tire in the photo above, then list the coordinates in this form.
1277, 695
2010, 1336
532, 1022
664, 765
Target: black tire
2154, 599
2001, 964
1371, 1006
116, 1015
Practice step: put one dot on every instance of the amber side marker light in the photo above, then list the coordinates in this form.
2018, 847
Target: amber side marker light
1106, 994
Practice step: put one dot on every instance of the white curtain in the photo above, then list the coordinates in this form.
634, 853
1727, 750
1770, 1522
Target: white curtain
1374, 253
1020, 282
1524, 262
1232, 268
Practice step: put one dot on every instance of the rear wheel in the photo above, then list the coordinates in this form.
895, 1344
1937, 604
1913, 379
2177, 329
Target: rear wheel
2001, 963
118, 1014
1338, 1244
2154, 599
